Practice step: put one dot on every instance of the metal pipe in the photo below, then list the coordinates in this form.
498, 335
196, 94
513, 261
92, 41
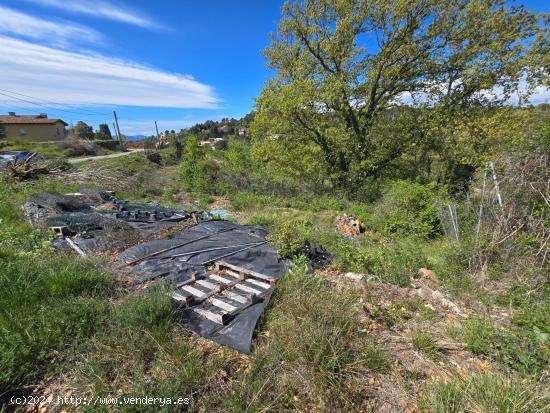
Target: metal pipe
232, 253
154, 254
213, 249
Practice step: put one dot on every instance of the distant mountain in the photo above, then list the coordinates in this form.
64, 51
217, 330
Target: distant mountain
135, 138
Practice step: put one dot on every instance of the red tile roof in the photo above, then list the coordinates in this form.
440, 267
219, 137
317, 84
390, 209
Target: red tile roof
28, 119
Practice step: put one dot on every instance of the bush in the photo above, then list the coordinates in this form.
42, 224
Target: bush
81, 148
197, 173
391, 261
406, 209
289, 236
108, 144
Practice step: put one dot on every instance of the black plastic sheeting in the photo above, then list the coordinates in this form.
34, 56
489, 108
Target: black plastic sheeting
98, 220
207, 235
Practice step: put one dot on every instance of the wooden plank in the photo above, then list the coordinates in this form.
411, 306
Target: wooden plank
232, 273
208, 284
260, 284
196, 292
219, 318
222, 264
244, 299
223, 305
194, 277
221, 279
248, 289
183, 297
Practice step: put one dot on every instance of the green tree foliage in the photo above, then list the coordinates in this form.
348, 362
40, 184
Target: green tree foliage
343, 67
198, 173
82, 131
105, 131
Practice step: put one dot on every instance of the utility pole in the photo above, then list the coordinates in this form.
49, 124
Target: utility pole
117, 129
158, 135
114, 130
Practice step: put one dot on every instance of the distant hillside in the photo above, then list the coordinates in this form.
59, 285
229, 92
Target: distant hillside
135, 138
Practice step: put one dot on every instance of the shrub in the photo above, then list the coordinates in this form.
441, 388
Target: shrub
392, 261
289, 236
408, 209
198, 174
108, 143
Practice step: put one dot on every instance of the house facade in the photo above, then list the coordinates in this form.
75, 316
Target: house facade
32, 128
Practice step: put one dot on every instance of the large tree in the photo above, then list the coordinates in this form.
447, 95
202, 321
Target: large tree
104, 130
352, 73
82, 131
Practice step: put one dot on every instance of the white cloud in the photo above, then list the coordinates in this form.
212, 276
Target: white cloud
85, 79
539, 94
103, 9
59, 33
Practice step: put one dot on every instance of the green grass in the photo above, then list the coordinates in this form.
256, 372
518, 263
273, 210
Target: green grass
314, 354
48, 302
444, 397
141, 351
311, 352
376, 358
522, 349
489, 393
424, 342
47, 149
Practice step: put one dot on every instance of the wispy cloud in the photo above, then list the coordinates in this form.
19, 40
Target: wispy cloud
59, 33
83, 79
99, 8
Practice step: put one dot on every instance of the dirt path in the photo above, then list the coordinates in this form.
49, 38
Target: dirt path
112, 155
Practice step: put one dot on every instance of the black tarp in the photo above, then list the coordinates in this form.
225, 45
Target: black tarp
97, 220
203, 236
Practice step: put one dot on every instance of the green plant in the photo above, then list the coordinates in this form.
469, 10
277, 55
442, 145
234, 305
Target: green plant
479, 335
491, 393
289, 236
376, 358
495, 394
444, 397
423, 341
406, 209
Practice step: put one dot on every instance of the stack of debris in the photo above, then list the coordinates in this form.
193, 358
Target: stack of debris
348, 225
97, 219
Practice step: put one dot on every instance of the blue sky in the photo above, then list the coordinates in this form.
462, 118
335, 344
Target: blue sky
177, 62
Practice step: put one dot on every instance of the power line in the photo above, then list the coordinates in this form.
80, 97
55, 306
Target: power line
32, 111
80, 112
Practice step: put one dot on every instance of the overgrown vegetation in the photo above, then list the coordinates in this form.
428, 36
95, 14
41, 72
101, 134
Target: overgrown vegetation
449, 278
47, 302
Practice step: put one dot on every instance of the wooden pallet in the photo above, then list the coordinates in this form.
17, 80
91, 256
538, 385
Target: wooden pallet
223, 292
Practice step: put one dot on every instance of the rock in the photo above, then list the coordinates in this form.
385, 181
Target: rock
348, 225
354, 276
436, 295
438, 298
429, 307
426, 273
